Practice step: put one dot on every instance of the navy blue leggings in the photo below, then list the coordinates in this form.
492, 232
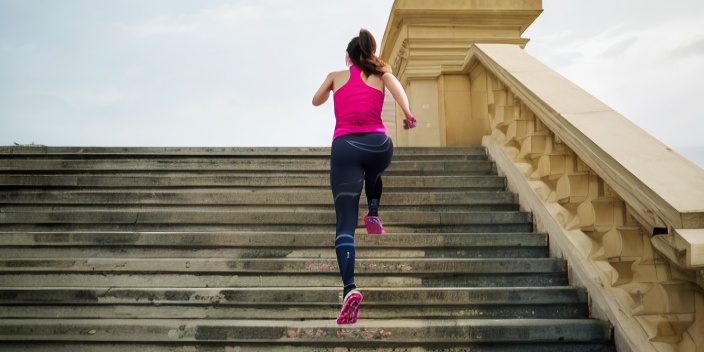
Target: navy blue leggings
355, 159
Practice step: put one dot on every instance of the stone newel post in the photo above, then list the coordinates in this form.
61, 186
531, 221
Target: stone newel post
427, 41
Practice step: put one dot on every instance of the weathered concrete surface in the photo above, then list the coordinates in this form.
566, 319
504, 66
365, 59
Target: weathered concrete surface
272, 331
173, 256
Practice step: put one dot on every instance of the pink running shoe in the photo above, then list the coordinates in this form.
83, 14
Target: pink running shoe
373, 225
350, 308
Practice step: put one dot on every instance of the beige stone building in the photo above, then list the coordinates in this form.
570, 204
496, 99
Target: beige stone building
625, 210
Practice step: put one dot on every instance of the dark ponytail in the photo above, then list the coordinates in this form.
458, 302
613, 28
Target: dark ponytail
362, 51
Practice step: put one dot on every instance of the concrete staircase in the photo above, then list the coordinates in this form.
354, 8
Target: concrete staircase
231, 249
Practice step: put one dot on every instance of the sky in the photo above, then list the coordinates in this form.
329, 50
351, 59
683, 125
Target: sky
243, 72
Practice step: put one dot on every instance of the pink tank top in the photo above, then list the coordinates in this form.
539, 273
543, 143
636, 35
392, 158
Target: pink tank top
357, 107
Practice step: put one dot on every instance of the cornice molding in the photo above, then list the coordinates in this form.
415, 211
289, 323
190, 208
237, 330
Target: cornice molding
424, 36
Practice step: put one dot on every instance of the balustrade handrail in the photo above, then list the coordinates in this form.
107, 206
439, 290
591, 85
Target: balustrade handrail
664, 190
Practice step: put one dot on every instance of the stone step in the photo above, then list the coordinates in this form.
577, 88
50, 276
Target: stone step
373, 333
258, 219
137, 152
235, 158
300, 312
293, 227
42, 346
290, 296
253, 179
267, 245
328, 278
409, 168
252, 196
183, 251
272, 239
292, 303
61, 245
277, 266
240, 215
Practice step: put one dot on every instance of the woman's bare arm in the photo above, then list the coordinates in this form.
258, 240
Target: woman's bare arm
394, 86
323, 93
396, 89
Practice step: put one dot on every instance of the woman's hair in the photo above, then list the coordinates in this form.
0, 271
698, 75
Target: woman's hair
361, 51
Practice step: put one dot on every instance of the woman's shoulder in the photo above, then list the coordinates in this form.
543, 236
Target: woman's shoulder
338, 73
339, 78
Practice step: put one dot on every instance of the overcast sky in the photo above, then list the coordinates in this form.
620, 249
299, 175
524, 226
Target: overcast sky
243, 72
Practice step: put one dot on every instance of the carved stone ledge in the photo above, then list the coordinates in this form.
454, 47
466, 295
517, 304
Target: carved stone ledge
683, 249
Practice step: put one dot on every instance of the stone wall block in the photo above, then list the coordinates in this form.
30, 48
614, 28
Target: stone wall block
510, 113
501, 96
668, 332
534, 145
695, 334
519, 128
585, 210
598, 252
624, 268
623, 242
607, 213
667, 297
551, 167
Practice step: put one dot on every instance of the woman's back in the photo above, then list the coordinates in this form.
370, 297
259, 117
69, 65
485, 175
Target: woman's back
342, 77
358, 105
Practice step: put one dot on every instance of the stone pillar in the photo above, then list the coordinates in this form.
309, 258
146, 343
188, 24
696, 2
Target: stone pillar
427, 41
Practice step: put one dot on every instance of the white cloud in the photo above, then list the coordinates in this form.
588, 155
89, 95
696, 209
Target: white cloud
90, 98
617, 49
165, 24
229, 13
687, 49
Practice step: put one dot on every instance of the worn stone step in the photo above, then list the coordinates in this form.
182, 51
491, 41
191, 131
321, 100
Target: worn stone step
324, 277
235, 157
42, 346
118, 251
292, 303
122, 204
300, 312
272, 239
247, 196
293, 227
267, 245
240, 216
214, 164
134, 152
253, 179
313, 332
314, 210
289, 296
301, 266
296, 219
92, 153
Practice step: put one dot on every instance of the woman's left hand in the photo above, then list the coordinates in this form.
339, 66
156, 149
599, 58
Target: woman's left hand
409, 122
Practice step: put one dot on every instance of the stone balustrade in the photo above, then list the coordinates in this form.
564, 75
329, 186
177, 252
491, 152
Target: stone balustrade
642, 273
625, 210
